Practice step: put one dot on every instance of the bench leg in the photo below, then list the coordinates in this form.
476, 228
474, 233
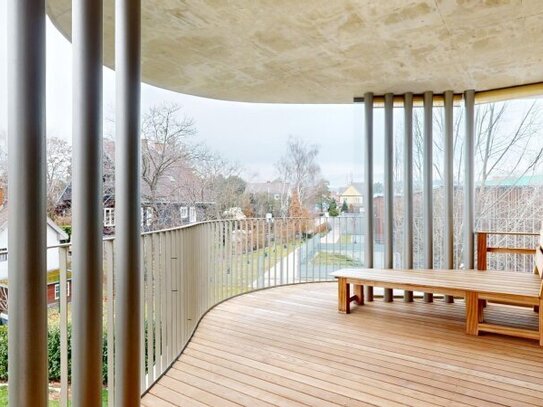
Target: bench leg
359, 294
482, 305
369, 293
472, 313
344, 296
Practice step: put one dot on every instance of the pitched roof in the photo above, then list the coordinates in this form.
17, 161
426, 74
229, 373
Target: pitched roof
269, 187
359, 186
4, 223
522, 181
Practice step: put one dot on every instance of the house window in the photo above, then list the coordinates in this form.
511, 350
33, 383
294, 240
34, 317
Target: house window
3, 254
192, 214
149, 216
109, 217
184, 211
57, 290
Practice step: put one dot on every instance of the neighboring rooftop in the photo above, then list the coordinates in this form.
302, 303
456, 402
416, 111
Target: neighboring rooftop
321, 51
270, 187
522, 181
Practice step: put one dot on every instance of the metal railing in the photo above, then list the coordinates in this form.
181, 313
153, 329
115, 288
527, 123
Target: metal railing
190, 269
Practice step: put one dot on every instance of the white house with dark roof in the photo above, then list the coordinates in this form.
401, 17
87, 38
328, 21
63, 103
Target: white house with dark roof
55, 236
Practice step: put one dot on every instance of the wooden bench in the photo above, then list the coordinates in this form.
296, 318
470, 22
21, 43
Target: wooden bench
475, 286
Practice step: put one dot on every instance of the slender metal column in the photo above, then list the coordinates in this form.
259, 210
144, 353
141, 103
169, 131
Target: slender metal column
87, 202
469, 183
127, 205
448, 196
26, 196
389, 190
408, 187
368, 187
428, 210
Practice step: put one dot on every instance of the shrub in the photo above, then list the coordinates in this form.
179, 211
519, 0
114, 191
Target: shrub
53, 345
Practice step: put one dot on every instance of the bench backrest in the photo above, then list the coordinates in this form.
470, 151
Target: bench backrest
539, 256
539, 262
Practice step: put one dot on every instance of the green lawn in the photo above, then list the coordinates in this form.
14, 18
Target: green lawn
335, 259
52, 402
248, 267
345, 239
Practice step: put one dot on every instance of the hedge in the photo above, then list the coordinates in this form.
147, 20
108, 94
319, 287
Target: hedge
54, 353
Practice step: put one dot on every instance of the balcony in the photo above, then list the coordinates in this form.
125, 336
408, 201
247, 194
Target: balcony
244, 311
272, 334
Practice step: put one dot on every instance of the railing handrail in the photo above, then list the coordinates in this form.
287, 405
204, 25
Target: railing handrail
480, 232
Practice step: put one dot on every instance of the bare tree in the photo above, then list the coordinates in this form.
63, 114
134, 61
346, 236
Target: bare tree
167, 149
217, 181
59, 153
299, 168
508, 146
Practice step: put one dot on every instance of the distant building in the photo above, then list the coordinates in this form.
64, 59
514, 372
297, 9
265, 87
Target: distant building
55, 236
352, 194
274, 189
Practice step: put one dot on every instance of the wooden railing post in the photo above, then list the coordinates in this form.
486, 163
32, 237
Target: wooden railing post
482, 249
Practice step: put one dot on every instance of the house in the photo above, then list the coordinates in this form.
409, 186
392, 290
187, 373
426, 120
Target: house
173, 203
352, 194
273, 189
269, 197
55, 237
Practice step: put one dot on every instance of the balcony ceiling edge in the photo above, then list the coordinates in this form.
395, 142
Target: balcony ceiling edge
330, 52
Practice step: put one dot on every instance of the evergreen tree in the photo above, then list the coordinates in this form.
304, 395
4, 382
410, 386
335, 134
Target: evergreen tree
332, 208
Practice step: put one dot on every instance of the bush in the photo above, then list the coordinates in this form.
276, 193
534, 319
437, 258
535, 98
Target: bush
53, 345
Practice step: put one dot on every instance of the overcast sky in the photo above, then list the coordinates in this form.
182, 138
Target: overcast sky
254, 135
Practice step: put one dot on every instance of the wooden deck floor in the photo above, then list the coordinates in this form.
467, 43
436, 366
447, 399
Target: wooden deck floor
289, 347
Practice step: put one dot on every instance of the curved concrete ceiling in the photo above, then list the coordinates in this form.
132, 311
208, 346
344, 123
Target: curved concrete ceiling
329, 51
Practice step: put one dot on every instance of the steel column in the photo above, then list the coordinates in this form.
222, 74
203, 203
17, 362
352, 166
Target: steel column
408, 187
368, 187
128, 224
389, 188
87, 202
448, 196
427, 211
469, 184
28, 383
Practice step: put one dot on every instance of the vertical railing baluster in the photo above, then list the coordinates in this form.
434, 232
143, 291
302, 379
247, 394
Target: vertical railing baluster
163, 304
110, 290
150, 309
64, 383
156, 302
143, 301
168, 272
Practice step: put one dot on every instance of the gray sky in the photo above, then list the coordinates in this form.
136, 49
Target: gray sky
254, 135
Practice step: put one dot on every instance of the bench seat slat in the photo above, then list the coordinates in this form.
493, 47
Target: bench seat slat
511, 284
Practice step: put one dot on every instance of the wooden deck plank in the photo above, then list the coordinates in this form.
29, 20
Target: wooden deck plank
289, 346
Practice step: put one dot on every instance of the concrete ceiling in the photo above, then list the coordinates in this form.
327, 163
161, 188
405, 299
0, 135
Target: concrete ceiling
329, 51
